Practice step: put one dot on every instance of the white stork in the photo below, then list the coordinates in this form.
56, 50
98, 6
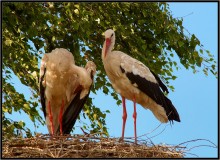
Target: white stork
134, 81
64, 88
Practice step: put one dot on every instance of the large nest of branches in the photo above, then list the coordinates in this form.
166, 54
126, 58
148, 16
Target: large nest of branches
86, 146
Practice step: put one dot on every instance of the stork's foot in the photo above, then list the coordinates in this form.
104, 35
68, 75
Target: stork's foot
121, 139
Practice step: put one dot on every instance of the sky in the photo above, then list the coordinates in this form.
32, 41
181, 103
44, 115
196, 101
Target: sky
195, 95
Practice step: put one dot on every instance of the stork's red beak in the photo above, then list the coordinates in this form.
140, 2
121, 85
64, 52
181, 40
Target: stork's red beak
107, 44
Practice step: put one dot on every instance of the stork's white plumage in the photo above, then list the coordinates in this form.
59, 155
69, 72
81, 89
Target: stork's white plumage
64, 88
134, 81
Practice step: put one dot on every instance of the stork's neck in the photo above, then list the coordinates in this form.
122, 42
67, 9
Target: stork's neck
103, 51
109, 50
84, 77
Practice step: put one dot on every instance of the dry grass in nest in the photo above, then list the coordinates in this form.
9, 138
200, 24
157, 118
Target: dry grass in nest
85, 146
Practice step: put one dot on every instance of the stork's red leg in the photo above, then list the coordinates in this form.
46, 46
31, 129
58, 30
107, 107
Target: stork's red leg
124, 117
50, 118
61, 117
135, 117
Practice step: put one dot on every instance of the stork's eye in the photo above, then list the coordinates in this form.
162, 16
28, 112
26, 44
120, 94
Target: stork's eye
112, 34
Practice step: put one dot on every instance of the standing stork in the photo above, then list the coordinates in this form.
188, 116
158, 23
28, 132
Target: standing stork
134, 81
64, 88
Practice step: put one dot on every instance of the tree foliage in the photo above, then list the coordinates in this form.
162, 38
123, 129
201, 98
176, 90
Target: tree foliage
146, 31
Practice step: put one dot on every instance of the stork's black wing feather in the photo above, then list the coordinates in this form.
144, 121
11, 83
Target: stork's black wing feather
42, 93
72, 112
161, 84
152, 90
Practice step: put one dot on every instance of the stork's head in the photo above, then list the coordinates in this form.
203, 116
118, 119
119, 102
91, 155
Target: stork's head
91, 68
109, 40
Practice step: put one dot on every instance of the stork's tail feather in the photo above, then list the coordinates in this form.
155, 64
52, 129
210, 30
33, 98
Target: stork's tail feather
171, 111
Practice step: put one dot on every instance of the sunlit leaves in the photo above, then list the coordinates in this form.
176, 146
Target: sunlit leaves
96, 117
8, 42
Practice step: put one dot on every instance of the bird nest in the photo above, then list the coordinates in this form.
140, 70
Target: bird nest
85, 146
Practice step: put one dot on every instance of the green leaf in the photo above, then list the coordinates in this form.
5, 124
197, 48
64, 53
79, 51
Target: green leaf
77, 6
8, 42
76, 11
174, 77
105, 90
53, 38
75, 26
201, 51
180, 43
107, 111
